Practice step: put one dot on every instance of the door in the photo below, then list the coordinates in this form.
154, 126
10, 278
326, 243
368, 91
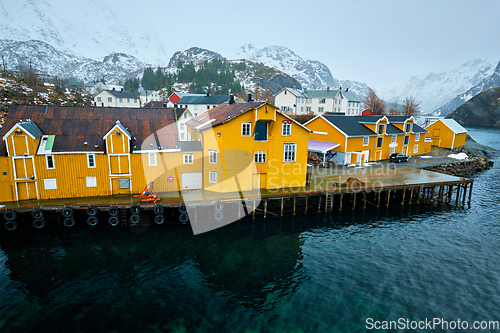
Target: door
191, 180
120, 186
119, 164
26, 191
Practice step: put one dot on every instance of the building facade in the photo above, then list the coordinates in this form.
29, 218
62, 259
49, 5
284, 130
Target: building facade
117, 98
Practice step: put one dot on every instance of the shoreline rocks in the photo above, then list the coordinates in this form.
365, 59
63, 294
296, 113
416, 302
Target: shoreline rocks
463, 168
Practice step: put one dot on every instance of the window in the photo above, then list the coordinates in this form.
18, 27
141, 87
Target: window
246, 129
152, 159
91, 160
290, 149
320, 109
50, 184
394, 137
99, 99
212, 177
301, 109
208, 107
308, 109
285, 108
380, 142
260, 157
91, 181
121, 100
407, 139
260, 131
124, 183
182, 136
110, 99
286, 129
393, 150
182, 126
381, 128
135, 100
49, 159
196, 107
186, 115
308, 100
321, 101
212, 156
128, 100
366, 139
417, 137
408, 128
188, 158
415, 149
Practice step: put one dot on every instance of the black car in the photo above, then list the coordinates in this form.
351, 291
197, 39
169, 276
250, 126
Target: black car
398, 158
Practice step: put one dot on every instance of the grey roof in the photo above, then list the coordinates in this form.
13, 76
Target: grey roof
397, 119
351, 96
393, 130
122, 94
123, 128
349, 125
213, 100
321, 93
453, 125
418, 129
296, 92
191, 146
368, 119
31, 128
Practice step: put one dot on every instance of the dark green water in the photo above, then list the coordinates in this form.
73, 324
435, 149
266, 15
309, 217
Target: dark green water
318, 273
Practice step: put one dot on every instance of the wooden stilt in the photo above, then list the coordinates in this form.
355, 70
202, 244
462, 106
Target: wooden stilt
432, 194
319, 203
254, 209
341, 199
470, 192
404, 194
450, 192
458, 194
282, 206
306, 204
354, 201
364, 200
265, 208
378, 200
465, 194
294, 204
388, 198
411, 195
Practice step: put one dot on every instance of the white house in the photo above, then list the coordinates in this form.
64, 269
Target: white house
149, 96
199, 104
318, 101
115, 98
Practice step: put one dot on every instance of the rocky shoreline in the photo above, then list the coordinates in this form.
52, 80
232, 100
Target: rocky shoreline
463, 168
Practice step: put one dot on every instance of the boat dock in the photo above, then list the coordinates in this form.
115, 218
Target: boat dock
328, 190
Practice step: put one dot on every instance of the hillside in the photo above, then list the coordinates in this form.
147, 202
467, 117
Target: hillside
481, 110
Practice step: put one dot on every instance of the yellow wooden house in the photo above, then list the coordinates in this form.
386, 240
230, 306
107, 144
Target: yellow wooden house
249, 146
61, 152
447, 133
368, 138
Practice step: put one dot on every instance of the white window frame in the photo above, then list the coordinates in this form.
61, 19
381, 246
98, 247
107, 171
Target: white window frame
152, 159
410, 128
415, 149
246, 129
91, 181
93, 160
122, 180
286, 129
182, 136
212, 156
381, 126
290, 149
50, 184
188, 158
321, 109
212, 177
260, 156
406, 140
47, 162
381, 138
110, 99
394, 138
417, 137
393, 150
366, 140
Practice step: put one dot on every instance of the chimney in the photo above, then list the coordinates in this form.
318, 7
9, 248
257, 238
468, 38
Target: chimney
121, 89
113, 88
208, 93
340, 88
249, 98
231, 99
346, 89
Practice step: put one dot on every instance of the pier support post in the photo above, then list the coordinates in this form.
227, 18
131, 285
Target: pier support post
404, 194
388, 198
364, 200
419, 194
354, 201
411, 195
341, 199
432, 193
282, 206
265, 208
378, 199
254, 209
470, 192
458, 194
306, 204
465, 194
294, 204
319, 203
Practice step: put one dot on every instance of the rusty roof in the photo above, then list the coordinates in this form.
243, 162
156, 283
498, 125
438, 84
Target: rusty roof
222, 114
74, 126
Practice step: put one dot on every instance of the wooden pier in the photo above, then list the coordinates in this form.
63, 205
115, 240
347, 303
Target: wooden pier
327, 193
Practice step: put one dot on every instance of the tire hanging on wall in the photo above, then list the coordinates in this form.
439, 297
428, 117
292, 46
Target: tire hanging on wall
113, 221
37, 213
92, 221
11, 225
219, 206
69, 222
183, 218
113, 211
10, 215
135, 209
158, 209
183, 209
218, 216
159, 219
67, 212
134, 218
91, 211
39, 223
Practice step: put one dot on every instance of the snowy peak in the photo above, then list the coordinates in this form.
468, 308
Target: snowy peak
193, 54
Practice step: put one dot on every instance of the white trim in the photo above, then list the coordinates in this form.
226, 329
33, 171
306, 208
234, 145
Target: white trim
111, 130
88, 160
191, 157
283, 128
320, 133
74, 152
205, 123
47, 162
22, 129
171, 150
93, 179
154, 156
250, 130
45, 182
27, 145
210, 174
368, 141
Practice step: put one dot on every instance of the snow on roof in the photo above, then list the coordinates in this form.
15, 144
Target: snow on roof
454, 126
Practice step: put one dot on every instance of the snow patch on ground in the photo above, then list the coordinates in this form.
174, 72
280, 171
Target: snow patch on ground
459, 156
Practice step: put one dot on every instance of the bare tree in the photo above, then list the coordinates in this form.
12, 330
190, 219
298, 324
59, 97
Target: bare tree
394, 109
410, 107
374, 103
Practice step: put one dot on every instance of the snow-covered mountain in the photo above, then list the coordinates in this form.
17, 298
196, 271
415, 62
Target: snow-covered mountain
492, 81
436, 89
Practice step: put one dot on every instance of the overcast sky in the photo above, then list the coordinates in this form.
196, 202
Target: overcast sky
376, 42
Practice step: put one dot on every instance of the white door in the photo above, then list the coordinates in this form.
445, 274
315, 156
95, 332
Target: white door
191, 180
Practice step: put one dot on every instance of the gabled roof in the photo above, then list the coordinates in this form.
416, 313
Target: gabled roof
75, 126
398, 119
122, 129
417, 129
351, 96
453, 125
121, 94
293, 91
349, 125
206, 100
393, 130
28, 126
191, 146
322, 93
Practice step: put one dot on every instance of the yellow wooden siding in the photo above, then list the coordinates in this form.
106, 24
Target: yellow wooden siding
335, 136
442, 136
20, 144
7, 188
265, 112
459, 140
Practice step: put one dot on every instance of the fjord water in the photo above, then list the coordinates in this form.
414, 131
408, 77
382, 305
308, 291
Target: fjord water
316, 273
